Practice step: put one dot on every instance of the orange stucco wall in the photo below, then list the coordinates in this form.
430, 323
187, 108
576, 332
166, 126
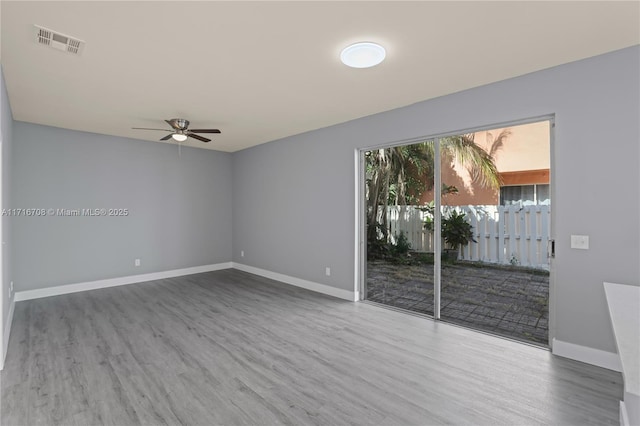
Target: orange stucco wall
526, 148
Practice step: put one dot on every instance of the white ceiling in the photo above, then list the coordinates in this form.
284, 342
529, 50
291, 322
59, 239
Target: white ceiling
264, 70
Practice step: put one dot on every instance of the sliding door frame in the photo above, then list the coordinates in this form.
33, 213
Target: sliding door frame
360, 258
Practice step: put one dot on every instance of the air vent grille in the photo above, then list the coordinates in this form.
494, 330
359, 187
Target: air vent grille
58, 41
44, 36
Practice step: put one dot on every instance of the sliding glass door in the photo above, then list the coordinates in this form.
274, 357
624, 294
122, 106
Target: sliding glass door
457, 228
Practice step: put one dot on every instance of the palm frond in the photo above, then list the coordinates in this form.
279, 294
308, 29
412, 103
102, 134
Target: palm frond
498, 142
478, 161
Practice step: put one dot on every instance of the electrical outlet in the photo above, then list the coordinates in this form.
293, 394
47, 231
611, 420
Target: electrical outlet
327, 271
136, 262
241, 253
580, 242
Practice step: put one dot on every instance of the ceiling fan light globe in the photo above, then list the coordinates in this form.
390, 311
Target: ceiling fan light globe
179, 137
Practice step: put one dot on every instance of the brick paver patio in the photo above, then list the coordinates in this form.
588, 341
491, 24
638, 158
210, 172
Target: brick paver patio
511, 302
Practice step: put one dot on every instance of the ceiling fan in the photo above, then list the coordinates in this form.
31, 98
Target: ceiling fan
180, 131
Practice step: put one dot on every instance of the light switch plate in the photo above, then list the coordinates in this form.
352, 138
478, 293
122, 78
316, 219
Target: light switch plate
580, 242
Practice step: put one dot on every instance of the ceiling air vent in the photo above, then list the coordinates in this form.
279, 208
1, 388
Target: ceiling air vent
58, 41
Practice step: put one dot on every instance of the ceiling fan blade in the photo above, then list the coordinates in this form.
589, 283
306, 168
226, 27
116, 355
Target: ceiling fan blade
205, 130
166, 138
146, 128
200, 138
173, 123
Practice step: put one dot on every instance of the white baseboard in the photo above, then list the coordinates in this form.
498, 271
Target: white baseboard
298, 282
7, 332
597, 357
113, 282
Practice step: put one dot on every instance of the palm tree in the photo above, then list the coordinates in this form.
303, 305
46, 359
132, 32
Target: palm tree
397, 175
391, 180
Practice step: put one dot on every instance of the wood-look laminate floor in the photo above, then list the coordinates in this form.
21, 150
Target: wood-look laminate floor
231, 348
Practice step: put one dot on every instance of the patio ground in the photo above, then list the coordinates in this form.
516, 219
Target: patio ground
507, 301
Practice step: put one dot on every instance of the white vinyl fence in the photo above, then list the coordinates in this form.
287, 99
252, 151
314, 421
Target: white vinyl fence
504, 234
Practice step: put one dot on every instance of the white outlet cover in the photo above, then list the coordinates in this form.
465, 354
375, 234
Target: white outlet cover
327, 271
580, 242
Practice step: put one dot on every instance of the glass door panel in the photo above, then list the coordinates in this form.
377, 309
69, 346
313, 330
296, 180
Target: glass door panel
495, 228
399, 227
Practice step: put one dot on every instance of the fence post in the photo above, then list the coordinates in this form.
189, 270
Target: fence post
533, 236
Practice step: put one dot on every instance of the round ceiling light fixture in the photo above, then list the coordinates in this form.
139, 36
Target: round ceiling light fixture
180, 137
363, 55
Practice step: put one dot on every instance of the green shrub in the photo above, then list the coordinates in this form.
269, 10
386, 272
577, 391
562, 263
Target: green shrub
401, 246
456, 231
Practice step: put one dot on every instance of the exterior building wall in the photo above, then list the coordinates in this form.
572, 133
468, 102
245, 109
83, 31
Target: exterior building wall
523, 159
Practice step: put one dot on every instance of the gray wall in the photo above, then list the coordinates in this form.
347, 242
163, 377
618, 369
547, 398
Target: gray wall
293, 199
180, 207
6, 126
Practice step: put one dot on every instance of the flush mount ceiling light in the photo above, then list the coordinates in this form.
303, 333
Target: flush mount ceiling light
180, 137
363, 55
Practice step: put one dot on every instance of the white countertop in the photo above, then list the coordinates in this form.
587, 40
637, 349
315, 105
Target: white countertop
624, 309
